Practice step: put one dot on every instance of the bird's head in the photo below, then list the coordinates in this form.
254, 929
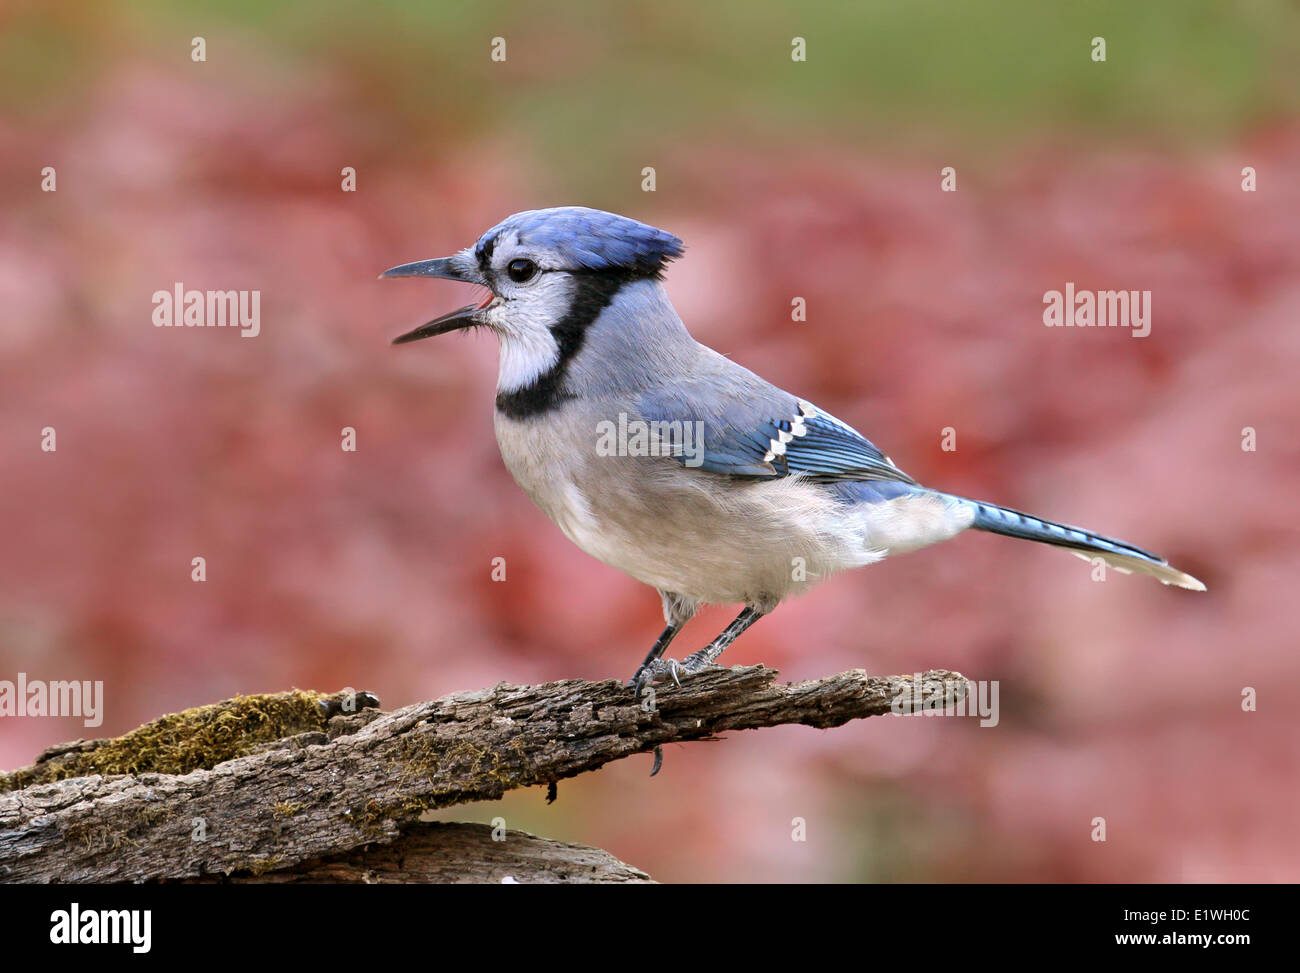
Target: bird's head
550, 273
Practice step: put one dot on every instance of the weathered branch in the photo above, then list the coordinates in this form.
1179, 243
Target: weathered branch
455, 853
311, 799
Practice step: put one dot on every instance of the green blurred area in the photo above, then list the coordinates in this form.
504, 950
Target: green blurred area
593, 87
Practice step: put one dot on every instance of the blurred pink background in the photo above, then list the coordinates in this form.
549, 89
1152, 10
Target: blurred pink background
372, 569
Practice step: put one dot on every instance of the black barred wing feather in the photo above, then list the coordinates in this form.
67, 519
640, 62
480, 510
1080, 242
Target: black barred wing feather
740, 440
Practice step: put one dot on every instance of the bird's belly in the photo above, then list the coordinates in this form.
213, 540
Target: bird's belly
717, 539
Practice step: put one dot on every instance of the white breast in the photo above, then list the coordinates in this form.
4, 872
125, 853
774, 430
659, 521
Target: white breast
712, 539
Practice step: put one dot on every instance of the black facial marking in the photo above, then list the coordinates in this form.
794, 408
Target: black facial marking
594, 291
485, 255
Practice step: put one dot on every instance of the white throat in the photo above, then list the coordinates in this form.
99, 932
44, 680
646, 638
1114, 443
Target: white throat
526, 355
523, 327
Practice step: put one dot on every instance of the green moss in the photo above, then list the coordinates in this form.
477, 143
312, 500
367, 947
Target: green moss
261, 866
90, 837
489, 773
194, 739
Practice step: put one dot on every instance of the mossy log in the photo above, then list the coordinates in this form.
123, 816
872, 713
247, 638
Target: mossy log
301, 786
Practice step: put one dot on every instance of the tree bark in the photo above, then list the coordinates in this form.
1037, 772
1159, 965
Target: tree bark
342, 801
455, 853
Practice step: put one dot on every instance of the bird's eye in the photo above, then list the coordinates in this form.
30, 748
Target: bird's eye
521, 270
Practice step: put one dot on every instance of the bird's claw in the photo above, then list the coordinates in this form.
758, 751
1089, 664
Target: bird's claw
662, 669
657, 671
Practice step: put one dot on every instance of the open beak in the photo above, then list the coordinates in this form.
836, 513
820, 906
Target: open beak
460, 318
461, 266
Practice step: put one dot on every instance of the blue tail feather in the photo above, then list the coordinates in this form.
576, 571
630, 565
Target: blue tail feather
1119, 554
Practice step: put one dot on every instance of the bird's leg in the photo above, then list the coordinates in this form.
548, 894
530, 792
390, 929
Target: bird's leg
656, 668
697, 661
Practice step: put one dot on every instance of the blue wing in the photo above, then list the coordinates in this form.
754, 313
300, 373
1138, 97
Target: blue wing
742, 439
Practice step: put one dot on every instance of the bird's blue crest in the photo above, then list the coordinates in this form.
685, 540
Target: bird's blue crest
589, 239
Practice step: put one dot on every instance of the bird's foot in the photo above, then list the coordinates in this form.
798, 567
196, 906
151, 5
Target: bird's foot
661, 670
657, 670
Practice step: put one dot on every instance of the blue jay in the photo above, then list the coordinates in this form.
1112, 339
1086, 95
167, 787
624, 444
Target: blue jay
722, 487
